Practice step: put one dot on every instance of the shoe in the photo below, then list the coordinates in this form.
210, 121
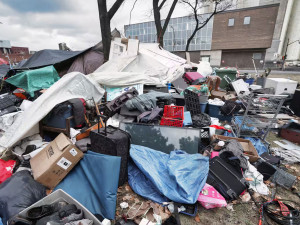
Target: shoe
58, 216
73, 217
17, 220
45, 210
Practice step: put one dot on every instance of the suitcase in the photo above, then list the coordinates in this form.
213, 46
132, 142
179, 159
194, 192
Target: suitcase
291, 132
192, 78
113, 141
229, 182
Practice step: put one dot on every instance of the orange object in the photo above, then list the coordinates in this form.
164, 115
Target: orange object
87, 132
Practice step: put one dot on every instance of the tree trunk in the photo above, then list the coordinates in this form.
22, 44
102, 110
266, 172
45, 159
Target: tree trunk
105, 28
157, 21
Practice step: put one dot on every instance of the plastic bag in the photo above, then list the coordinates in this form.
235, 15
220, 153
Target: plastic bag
6, 168
210, 198
17, 193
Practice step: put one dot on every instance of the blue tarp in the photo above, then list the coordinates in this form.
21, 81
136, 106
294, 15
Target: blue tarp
179, 176
94, 183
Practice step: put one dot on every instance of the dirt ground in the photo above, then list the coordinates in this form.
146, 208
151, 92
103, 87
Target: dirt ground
242, 214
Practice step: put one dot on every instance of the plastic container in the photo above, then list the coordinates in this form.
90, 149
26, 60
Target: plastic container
165, 121
229, 72
203, 98
60, 195
249, 81
175, 112
214, 111
203, 107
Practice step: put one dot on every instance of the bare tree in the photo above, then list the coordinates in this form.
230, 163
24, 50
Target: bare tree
160, 30
196, 5
105, 18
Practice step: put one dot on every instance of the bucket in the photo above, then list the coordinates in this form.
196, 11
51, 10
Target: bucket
203, 107
203, 98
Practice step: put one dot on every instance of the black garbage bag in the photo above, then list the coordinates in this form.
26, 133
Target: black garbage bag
201, 120
17, 193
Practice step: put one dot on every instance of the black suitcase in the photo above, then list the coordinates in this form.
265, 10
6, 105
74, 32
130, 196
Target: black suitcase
113, 141
226, 179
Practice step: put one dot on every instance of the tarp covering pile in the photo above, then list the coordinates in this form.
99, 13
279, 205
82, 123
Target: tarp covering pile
34, 80
151, 65
73, 85
179, 176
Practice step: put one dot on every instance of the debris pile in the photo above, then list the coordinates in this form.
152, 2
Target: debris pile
142, 139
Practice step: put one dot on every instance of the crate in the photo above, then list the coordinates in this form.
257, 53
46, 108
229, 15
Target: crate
165, 121
60, 195
174, 112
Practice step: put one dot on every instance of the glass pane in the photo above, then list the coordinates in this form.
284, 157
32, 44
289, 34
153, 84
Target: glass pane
231, 22
247, 20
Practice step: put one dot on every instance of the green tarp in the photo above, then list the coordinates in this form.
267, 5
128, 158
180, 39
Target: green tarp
34, 80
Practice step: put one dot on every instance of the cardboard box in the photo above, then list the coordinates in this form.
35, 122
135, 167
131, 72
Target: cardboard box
55, 161
249, 149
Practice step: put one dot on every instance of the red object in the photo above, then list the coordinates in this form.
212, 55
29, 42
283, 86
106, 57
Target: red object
190, 77
220, 128
175, 112
6, 169
171, 122
2, 61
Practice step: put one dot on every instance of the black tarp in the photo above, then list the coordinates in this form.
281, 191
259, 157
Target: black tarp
48, 57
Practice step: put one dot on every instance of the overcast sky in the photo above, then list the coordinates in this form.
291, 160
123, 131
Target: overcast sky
42, 24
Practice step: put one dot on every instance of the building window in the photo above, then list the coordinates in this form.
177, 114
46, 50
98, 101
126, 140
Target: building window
247, 20
231, 22
205, 58
257, 56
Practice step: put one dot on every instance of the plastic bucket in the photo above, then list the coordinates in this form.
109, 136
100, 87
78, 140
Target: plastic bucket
203, 98
203, 107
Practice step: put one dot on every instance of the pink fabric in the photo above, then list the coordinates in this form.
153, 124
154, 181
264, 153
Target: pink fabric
6, 169
214, 154
210, 198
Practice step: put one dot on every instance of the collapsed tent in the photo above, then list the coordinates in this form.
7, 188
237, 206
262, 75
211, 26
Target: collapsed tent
73, 85
151, 65
178, 176
34, 80
98, 197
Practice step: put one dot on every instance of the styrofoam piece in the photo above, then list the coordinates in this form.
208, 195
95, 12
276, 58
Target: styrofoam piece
60, 195
281, 85
240, 87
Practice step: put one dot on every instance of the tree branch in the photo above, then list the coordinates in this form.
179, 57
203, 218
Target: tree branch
161, 4
114, 8
169, 16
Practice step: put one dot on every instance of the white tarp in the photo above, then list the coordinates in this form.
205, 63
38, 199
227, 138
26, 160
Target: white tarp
72, 85
152, 65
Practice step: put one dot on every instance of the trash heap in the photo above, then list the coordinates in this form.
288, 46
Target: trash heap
180, 137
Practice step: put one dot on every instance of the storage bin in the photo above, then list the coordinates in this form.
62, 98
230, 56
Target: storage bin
60, 195
214, 111
203, 107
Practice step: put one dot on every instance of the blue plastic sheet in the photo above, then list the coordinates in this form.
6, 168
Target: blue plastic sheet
179, 176
141, 185
94, 183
